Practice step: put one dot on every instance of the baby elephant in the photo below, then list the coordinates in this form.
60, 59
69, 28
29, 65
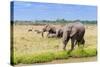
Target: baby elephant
50, 29
59, 32
53, 31
74, 31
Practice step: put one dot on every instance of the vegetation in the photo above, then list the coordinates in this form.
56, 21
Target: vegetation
50, 56
30, 47
58, 21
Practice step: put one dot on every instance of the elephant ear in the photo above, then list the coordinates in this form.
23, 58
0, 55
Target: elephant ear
73, 32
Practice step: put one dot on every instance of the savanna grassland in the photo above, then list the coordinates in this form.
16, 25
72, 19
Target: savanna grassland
29, 47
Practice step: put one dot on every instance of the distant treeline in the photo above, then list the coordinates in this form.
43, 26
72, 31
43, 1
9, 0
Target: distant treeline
62, 21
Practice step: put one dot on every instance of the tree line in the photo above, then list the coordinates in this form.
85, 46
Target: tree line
58, 21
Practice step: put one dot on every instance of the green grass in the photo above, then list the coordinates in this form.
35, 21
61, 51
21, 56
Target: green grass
84, 52
50, 56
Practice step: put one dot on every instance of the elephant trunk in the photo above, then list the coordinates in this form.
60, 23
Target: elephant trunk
43, 32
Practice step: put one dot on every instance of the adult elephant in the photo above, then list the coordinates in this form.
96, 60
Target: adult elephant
50, 29
74, 31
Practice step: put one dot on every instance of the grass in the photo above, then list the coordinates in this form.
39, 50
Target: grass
30, 47
50, 56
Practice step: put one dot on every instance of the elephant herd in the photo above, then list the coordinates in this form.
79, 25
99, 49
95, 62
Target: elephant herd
72, 31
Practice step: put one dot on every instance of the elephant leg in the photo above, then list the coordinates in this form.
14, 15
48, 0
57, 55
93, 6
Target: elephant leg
57, 33
64, 47
78, 44
72, 43
42, 33
83, 42
48, 34
75, 43
65, 43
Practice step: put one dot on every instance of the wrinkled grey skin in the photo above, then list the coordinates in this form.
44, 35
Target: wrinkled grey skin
49, 29
59, 32
52, 31
74, 31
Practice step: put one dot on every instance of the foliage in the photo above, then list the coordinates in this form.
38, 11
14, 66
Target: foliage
57, 21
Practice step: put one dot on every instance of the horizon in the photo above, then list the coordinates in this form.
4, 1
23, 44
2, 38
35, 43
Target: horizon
52, 20
32, 11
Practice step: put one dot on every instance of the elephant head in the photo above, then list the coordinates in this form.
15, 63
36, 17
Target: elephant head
59, 32
45, 28
49, 29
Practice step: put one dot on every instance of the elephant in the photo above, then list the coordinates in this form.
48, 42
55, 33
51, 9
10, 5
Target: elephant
59, 32
48, 28
74, 31
52, 31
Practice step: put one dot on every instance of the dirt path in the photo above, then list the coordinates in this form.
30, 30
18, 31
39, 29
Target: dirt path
70, 60
74, 60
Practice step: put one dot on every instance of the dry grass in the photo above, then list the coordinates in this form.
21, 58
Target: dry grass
30, 43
